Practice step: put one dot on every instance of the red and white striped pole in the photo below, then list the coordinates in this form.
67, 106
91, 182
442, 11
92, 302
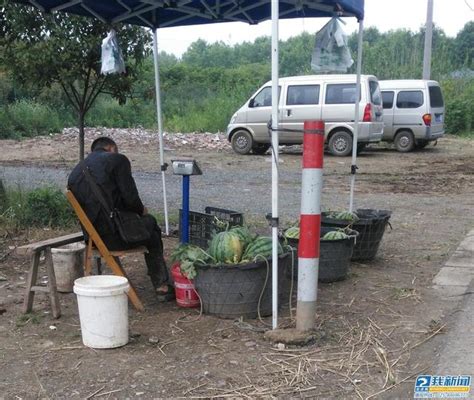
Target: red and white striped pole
310, 224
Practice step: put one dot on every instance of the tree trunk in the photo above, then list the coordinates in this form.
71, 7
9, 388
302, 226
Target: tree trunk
80, 125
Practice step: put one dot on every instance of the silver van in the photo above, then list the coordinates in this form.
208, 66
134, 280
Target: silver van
329, 98
413, 112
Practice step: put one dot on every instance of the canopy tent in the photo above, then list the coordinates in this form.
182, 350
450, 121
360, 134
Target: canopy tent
171, 13
168, 13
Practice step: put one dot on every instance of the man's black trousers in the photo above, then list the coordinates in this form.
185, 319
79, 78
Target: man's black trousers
155, 260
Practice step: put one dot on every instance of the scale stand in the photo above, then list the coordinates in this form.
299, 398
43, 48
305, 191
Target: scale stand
185, 168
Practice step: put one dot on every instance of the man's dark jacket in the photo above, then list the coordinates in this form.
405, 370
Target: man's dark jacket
112, 172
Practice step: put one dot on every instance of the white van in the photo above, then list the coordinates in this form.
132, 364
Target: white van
330, 98
413, 113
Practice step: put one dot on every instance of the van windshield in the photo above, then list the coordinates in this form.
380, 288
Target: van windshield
375, 95
436, 97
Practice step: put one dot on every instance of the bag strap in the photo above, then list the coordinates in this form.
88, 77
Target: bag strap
97, 192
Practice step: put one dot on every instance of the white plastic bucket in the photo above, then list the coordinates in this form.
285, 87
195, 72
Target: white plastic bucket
68, 264
103, 310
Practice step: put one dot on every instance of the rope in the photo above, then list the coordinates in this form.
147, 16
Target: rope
185, 318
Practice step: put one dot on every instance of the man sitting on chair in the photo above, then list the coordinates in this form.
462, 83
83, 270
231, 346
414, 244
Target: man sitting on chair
112, 173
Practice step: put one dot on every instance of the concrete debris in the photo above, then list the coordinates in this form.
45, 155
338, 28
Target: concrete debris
140, 136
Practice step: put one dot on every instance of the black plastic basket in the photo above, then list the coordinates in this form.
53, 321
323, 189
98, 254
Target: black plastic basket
203, 225
334, 258
371, 227
233, 291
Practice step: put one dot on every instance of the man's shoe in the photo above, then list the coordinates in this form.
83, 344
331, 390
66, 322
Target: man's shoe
164, 296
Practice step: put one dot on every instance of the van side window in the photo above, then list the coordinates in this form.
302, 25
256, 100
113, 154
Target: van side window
343, 93
410, 99
264, 97
302, 95
436, 97
387, 98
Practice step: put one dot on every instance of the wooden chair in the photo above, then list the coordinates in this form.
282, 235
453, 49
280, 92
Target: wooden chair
34, 250
111, 258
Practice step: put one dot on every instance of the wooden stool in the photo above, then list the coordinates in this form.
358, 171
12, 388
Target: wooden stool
34, 250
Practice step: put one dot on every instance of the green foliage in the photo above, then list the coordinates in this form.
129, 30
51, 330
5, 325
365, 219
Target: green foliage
27, 119
42, 207
202, 90
459, 103
58, 49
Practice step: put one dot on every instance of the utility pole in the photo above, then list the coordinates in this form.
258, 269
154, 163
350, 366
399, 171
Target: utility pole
428, 41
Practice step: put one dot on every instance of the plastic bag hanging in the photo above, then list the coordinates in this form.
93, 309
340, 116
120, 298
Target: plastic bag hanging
112, 59
331, 51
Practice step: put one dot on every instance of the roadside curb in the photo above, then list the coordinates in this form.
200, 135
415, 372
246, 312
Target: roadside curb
455, 277
455, 282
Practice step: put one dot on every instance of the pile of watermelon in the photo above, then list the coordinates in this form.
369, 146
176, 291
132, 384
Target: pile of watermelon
236, 245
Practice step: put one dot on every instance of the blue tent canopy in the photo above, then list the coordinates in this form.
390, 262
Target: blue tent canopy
169, 13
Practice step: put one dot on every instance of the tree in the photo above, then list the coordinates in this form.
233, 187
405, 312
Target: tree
44, 49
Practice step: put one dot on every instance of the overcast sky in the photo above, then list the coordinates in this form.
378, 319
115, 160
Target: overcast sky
450, 15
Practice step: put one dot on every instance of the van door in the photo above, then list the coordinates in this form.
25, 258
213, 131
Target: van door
436, 109
409, 111
387, 99
259, 113
301, 103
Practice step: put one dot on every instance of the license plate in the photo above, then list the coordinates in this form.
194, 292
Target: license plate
439, 118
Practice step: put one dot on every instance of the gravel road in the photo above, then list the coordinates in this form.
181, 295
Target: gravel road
249, 191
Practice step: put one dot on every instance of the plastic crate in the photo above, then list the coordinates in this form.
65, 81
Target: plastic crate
203, 225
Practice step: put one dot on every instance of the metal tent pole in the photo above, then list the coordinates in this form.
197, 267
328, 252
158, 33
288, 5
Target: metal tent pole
275, 145
160, 125
356, 117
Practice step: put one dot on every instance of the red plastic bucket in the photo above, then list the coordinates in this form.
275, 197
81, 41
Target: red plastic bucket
186, 295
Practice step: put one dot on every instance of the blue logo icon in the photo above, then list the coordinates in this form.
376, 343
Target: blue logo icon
442, 386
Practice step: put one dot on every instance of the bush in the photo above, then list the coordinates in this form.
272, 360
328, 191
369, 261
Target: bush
26, 118
42, 207
459, 103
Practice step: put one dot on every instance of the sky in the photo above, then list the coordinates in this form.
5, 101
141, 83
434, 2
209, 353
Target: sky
386, 15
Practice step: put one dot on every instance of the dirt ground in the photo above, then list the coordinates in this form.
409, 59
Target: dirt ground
376, 330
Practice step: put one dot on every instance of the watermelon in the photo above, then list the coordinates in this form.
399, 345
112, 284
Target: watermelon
335, 235
261, 246
292, 233
226, 247
244, 234
343, 216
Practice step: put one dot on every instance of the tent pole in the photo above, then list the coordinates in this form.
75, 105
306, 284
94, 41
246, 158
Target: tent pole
160, 125
275, 145
356, 117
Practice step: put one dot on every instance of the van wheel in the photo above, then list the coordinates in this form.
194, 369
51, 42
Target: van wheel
404, 141
340, 144
242, 142
260, 148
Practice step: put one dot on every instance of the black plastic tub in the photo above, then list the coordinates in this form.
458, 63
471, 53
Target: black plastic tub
334, 259
371, 227
233, 291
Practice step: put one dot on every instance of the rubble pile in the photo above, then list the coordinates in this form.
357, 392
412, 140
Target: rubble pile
144, 137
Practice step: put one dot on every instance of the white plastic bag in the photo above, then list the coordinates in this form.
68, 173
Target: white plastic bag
112, 59
331, 51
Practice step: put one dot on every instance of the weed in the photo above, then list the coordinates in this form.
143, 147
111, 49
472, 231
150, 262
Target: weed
25, 319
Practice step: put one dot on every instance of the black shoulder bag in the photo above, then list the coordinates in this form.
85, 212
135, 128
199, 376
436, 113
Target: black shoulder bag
127, 224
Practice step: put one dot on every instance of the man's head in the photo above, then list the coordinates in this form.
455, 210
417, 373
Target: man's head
104, 143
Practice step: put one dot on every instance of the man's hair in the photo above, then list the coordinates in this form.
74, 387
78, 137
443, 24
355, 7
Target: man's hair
101, 143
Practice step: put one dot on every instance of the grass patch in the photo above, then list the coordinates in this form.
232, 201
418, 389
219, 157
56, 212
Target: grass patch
25, 319
42, 207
